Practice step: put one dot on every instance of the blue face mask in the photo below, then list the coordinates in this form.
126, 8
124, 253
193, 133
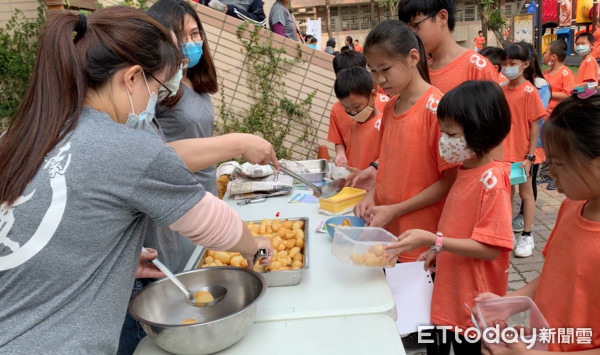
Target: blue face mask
145, 117
193, 51
582, 49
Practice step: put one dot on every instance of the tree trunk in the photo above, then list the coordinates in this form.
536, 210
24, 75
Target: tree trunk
373, 4
328, 15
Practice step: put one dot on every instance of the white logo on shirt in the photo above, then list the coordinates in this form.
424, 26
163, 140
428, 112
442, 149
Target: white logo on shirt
384, 98
488, 179
528, 89
432, 104
565, 72
478, 61
57, 167
377, 124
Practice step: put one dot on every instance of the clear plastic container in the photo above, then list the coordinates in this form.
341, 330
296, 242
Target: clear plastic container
362, 246
516, 312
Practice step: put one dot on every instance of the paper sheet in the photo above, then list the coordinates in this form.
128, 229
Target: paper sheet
411, 287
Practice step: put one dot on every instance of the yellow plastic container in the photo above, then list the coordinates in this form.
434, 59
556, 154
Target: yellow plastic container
348, 197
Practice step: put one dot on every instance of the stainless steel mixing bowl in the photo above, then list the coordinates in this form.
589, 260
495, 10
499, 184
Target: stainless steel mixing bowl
160, 308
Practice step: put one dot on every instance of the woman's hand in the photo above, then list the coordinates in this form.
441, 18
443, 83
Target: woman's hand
261, 243
258, 151
145, 269
526, 164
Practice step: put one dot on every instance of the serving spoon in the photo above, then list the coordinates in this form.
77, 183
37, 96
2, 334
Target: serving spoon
217, 292
328, 189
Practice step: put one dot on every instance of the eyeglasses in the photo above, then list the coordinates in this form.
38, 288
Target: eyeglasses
415, 25
195, 36
164, 91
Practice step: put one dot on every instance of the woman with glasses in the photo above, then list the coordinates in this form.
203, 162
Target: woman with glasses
185, 119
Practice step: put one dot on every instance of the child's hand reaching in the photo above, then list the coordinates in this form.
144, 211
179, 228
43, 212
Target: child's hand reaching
341, 160
429, 257
361, 179
380, 216
410, 240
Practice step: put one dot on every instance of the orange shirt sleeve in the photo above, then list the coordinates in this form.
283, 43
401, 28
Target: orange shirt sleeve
495, 213
588, 71
339, 126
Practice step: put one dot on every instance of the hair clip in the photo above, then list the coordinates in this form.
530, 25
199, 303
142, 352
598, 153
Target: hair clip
583, 92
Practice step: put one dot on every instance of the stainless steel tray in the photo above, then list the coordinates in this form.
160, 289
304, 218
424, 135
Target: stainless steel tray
280, 278
318, 168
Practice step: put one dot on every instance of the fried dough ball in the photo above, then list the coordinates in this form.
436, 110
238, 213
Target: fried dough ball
189, 321
203, 297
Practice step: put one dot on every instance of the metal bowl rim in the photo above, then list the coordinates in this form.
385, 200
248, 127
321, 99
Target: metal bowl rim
153, 324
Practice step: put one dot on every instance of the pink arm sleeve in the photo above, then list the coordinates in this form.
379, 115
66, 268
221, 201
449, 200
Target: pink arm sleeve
211, 223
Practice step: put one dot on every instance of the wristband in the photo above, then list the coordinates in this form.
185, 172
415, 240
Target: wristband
374, 164
530, 157
437, 247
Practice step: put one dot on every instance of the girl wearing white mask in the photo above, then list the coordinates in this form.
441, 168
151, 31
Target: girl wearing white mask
471, 249
81, 187
526, 109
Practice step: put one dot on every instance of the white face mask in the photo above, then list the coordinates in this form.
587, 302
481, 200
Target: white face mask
363, 115
582, 50
511, 72
145, 117
172, 84
454, 150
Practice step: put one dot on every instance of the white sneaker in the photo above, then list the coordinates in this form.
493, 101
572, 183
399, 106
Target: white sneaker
524, 246
217, 5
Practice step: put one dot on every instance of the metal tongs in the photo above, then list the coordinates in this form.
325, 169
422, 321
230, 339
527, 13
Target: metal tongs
254, 199
261, 253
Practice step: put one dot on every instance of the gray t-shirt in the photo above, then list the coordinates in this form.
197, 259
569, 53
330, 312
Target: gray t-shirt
192, 117
70, 245
279, 13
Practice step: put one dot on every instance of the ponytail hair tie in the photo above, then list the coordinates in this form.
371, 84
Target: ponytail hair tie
81, 27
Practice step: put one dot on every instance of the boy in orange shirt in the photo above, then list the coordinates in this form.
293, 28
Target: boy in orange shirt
588, 70
559, 76
471, 249
479, 41
566, 292
494, 55
451, 65
340, 124
355, 89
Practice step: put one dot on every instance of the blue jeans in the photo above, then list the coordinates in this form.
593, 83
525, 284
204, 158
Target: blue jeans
132, 331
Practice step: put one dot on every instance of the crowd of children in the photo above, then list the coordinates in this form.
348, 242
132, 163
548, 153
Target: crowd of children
454, 123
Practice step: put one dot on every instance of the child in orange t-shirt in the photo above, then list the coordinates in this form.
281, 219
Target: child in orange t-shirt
567, 290
471, 249
451, 64
479, 41
559, 76
340, 124
588, 69
412, 179
494, 55
519, 146
355, 89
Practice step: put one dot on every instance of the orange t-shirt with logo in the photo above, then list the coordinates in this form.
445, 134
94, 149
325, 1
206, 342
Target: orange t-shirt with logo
467, 66
569, 287
525, 106
477, 207
358, 48
409, 162
588, 71
340, 123
365, 141
561, 81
